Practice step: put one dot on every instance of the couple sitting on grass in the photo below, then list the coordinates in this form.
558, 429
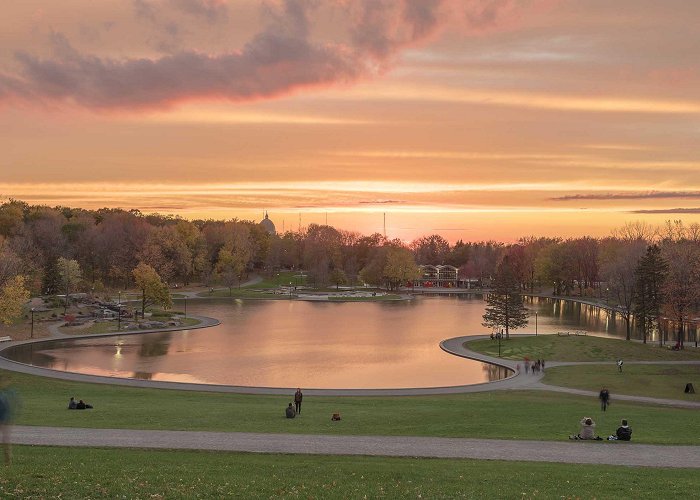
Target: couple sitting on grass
80, 405
623, 433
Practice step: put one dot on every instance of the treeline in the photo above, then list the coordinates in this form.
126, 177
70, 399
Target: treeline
108, 244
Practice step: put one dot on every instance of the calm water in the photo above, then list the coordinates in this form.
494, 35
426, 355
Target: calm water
310, 344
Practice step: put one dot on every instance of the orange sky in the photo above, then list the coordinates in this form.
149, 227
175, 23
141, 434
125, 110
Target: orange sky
480, 119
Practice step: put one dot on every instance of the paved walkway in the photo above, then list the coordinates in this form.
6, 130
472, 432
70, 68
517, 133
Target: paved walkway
577, 452
529, 381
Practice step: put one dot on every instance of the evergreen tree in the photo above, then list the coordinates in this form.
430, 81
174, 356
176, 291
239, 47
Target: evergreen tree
51, 280
504, 305
649, 290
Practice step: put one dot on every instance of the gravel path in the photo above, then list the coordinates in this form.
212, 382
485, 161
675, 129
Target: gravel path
616, 453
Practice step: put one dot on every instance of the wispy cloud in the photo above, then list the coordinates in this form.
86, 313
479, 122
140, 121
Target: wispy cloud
651, 195
687, 211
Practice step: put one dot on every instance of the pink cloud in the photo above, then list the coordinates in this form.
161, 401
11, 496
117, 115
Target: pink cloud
282, 58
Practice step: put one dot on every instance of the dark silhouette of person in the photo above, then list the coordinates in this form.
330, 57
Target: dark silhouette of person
298, 396
289, 412
604, 397
72, 405
624, 432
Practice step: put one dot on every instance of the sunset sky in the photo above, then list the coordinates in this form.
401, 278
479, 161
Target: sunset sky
475, 119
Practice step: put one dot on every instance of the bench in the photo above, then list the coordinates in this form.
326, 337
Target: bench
581, 332
563, 334
5, 339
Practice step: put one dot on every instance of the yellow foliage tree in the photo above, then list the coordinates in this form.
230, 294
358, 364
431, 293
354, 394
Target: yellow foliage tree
13, 295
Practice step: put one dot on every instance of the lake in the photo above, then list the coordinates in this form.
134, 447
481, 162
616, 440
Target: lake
291, 343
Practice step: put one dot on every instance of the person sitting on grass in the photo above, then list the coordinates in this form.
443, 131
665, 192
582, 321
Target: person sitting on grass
290, 412
82, 405
623, 433
72, 405
587, 430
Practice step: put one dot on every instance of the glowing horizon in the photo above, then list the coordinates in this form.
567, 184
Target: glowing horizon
483, 119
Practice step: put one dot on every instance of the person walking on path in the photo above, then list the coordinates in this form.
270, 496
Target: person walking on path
298, 396
619, 365
604, 397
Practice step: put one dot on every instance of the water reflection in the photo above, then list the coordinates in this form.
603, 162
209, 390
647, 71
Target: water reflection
312, 345
570, 315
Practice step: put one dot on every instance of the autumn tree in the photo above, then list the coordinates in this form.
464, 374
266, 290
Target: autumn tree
338, 277
619, 261
682, 285
13, 295
153, 290
431, 249
650, 276
400, 267
70, 273
230, 266
504, 304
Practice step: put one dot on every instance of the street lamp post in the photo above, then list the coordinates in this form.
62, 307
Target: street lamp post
535, 323
31, 333
290, 290
499, 342
119, 312
185, 306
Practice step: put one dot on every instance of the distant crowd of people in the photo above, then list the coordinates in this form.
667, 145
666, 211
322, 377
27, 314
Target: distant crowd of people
536, 366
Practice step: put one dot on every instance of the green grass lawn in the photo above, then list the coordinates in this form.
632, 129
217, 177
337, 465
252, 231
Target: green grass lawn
111, 326
581, 348
283, 278
535, 415
55, 472
657, 381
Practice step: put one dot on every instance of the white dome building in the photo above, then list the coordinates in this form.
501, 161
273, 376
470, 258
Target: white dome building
268, 225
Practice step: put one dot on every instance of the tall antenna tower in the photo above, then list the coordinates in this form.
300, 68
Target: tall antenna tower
300, 222
326, 218
384, 224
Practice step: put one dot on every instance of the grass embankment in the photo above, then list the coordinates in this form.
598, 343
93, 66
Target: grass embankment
376, 298
657, 381
579, 348
245, 293
47, 472
112, 326
499, 415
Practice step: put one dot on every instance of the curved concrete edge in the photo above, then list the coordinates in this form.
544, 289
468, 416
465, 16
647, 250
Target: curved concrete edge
517, 380
16, 366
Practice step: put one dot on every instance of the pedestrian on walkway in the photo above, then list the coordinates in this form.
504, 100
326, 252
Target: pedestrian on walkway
8, 403
619, 365
527, 367
604, 397
298, 396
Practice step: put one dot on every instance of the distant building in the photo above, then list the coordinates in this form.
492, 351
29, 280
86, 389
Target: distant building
268, 225
444, 277
437, 276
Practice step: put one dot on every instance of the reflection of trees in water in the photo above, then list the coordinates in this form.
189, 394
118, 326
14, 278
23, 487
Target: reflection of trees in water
155, 345
494, 372
30, 355
142, 375
567, 313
